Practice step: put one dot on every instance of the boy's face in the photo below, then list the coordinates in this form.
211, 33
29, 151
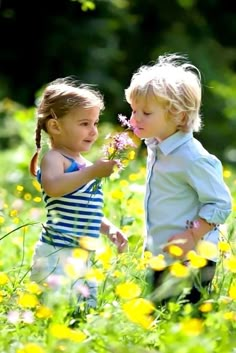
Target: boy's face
150, 118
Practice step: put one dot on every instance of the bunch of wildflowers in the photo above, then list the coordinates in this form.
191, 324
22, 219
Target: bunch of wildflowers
119, 148
120, 145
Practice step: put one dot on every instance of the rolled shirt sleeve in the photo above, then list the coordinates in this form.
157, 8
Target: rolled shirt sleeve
205, 176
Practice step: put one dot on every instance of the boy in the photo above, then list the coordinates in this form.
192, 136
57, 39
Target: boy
186, 197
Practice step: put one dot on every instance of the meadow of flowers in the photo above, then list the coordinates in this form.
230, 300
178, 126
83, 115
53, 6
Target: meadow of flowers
125, 319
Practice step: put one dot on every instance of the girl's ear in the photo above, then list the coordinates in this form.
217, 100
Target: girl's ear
53, 127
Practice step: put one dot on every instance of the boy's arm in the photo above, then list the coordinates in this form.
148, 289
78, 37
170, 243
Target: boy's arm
188, 239
205, 176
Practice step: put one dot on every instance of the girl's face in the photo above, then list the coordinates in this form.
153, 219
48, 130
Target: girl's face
150, 118
77, 131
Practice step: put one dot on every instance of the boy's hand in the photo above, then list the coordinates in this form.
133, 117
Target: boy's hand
185, 241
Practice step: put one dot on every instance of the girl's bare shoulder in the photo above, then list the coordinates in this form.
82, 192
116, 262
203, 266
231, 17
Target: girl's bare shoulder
52, 156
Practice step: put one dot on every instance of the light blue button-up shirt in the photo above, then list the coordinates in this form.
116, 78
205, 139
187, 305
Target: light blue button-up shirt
184, 183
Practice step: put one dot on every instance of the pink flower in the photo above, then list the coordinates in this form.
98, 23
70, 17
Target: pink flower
83, 290
13, 316
124, 121
55, 281
28, 317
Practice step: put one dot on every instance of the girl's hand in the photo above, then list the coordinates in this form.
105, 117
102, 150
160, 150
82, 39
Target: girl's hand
118, 238
103, 168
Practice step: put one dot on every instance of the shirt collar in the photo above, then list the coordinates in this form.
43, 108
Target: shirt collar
171, 143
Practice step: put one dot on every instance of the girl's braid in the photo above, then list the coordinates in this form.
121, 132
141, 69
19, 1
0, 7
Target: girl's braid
38, 136
34, 160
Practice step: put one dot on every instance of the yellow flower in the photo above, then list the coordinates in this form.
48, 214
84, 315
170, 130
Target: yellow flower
33, 287
13, 213
230, 315
95, 274
230, 263
111, 150
16, 220
141, 265
2, 219
31, 348
224, 246
37, 199
125, 162
133, 177
147, 254
28, 300
179, 270
192, 327
227, 173
76, 336
4, 279
43, 312
139, 310
206, 307
234, 206
123, 183
19, 188
128, 290
232, 291
196, 261
27, 196
139, 306
105, 257
59, 331
117, 274
157, 263
207, 249
175, 250
80, 254
37, 185
117, 194
63, 332
131, 155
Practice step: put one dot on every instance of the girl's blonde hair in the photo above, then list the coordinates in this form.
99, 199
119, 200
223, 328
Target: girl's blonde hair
175, 81
58, 99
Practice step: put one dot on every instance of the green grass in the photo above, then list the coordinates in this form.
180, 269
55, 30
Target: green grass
124, 320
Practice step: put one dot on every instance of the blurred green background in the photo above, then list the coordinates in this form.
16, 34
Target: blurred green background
103, 42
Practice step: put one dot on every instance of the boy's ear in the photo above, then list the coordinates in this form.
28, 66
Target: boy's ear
53, 126
183, 118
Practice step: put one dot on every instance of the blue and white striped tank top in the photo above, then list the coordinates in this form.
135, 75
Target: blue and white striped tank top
74, 215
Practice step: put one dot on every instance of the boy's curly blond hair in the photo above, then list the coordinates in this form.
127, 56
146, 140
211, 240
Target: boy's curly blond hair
176, 82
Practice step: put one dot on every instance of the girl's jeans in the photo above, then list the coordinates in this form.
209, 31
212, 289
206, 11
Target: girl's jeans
59, 270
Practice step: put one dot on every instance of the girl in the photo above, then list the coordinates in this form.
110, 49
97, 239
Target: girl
69, 114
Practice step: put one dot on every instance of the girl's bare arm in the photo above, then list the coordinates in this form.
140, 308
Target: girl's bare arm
56, 182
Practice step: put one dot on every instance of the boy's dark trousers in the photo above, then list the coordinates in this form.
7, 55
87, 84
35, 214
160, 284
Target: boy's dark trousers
201, 283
